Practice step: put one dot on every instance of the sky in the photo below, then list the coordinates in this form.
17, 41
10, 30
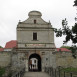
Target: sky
11, 11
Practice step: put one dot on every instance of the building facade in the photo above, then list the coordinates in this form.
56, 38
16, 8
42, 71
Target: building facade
34, 48
35, 39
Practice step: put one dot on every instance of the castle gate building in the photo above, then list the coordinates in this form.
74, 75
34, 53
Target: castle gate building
35, 39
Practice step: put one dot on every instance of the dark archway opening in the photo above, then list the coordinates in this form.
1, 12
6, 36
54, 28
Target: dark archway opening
34, 62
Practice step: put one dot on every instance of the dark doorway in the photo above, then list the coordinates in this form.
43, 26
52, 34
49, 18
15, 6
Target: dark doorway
34, 62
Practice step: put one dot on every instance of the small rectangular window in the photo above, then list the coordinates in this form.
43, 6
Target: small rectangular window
34, 21
34, 36
46, 58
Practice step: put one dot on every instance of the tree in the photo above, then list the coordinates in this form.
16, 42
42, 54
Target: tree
1, 47
75, 3
2, 71
71, 34
74, 51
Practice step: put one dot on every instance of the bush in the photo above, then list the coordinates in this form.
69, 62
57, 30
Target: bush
2, 71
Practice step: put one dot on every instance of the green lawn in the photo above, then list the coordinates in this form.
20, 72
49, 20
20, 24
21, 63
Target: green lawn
69, 69
2, 71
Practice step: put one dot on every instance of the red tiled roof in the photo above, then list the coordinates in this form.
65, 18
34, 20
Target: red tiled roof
63, 49
11, 44
1, 49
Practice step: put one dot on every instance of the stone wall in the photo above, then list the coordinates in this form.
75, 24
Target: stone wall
43, 36
48, 58
18, 60
65, 59
5, 59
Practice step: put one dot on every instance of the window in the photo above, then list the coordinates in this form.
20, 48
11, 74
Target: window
34, 21
34, 36
46, 58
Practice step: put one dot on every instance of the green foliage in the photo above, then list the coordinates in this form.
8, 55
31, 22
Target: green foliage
1, 47
58, 32
75, 3
2, 71
74, 28
68, 47
69, 69
74, 50
71, 34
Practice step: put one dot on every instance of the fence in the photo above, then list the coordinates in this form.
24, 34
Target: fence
59, 73
20, 73
49, 70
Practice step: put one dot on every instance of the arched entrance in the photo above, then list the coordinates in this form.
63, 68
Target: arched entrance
34, 62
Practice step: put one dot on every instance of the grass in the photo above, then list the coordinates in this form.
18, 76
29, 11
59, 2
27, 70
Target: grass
2, 71
69, 69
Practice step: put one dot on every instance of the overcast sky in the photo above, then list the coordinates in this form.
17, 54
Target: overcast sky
11, 11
